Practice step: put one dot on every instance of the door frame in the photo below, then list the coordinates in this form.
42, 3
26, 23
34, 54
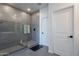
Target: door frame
72, 21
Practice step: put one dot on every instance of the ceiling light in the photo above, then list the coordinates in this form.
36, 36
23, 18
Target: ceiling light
28, 9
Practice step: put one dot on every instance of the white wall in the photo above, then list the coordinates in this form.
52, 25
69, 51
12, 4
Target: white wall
53, 7
43, 14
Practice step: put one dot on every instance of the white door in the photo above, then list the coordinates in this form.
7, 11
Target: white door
63, 36
44, 31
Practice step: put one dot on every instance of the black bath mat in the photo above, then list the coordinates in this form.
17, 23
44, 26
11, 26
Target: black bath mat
37, 47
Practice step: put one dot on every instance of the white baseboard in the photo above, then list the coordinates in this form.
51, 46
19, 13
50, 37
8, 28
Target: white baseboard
50, 51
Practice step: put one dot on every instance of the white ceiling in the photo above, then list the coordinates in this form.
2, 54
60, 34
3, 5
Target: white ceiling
33, 6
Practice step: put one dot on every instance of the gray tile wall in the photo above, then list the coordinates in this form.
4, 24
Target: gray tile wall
11, 21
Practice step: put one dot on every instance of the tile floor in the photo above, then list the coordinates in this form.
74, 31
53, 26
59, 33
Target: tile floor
28, 52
